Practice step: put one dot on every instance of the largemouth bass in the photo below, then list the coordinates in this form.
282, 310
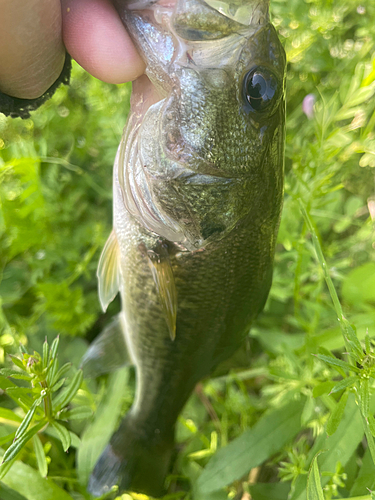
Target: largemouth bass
198, 183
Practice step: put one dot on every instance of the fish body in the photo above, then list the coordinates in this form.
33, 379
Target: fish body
198, 183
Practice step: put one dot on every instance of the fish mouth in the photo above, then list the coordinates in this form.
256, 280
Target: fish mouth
167, 33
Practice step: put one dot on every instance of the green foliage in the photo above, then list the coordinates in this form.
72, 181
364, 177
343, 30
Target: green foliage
314, 488
43, 402
311, 351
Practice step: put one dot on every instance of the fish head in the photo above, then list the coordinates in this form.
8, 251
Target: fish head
214, 109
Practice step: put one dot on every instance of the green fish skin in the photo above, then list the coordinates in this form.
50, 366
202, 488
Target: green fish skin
198, 185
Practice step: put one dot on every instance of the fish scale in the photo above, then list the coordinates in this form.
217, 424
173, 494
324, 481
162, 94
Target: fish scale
198, 184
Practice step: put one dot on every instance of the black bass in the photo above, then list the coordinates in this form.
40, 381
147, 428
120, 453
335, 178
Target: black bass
198, 183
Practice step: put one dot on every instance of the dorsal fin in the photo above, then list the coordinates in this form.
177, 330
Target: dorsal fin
161, 269
108, 272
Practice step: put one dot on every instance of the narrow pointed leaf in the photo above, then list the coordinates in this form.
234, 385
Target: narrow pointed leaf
40, 456
371, 424
368, 344
273, 431
58, 385
79, 413
62, 371
8, 372
314, 487
45, 354
18, 362
63, 434
68, 394
336, 362
337, 414
54, 347
16, 447
27, 420
369, 438
343, 384
365, 396
351, 335
5, 467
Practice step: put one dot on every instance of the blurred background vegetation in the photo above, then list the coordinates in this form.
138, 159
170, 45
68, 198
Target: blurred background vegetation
55, 216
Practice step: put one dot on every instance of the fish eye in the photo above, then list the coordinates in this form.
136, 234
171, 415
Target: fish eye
260, 88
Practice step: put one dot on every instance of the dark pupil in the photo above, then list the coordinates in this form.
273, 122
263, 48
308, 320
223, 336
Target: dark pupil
260, 89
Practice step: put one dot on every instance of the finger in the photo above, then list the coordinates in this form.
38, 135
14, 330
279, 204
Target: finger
31, 49
96, 38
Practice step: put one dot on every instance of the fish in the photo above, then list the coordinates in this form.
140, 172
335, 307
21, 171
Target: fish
197, 199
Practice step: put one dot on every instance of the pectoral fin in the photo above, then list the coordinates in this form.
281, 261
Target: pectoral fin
108, 272
108, 352
161, 269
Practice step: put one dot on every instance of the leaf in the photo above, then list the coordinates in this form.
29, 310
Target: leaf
369, 438
75, 441
365, 396
54, 347
340, 446
27, 419
17, 446
269, 491
371, 423
18, 362
359, 285
79, 413
366, 477
8, 372
336, 362
253, 447
343, 384
28, 482
323, 388
352, 337
62, 371
337, 414
9, 415
7, 438
360, 96
68, 394
45, 354
40, 456
63, 434
7, 493
57, 385
5, 468
314, 487
367, 343
96, 436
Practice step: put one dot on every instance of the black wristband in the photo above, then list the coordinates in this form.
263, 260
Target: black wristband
16, 107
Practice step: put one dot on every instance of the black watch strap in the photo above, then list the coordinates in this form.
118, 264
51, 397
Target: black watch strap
15, 107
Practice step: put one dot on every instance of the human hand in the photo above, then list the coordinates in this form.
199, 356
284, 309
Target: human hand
34, 34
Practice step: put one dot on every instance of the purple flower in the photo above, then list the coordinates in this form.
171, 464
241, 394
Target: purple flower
308, 106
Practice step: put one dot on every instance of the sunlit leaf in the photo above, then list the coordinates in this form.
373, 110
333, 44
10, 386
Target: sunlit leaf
270, 434
28, 482
40, 456
63, 434
337, 414
314, 488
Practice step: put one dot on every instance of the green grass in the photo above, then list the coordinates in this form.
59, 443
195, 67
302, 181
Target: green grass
292, 415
